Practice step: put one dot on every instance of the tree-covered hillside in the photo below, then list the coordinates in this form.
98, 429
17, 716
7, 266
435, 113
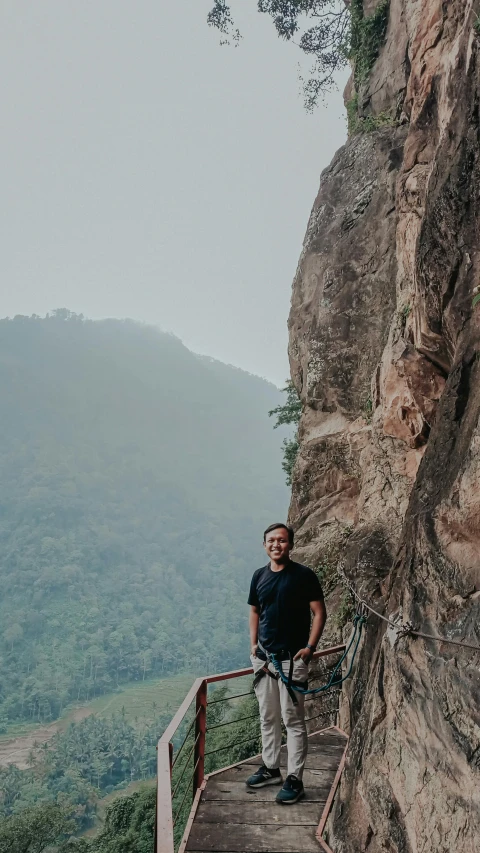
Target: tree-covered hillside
135, 481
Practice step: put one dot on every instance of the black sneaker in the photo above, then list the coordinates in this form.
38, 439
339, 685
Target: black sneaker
291, 792
263, 776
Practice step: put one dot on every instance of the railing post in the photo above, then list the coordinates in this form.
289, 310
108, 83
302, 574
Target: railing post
200, 730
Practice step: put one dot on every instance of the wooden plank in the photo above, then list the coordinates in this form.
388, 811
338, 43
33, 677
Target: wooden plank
238, 791
318, 762
311, 778
304, 814
241, 838
328, 743
331, 739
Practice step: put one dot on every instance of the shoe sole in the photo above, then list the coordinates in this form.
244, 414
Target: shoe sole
273, 781
290, 802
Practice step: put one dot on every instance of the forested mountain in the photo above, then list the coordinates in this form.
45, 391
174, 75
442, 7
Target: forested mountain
135, 481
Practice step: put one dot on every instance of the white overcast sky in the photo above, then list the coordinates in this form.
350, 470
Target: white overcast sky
150, 173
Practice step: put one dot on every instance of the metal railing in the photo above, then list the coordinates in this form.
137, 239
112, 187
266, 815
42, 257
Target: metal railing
182, 752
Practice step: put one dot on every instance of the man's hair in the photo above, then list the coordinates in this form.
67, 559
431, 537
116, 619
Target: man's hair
285, 527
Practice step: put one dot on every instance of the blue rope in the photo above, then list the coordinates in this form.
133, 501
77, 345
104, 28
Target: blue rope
358, 623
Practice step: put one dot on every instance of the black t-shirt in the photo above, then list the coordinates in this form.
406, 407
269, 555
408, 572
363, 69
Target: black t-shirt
283, 599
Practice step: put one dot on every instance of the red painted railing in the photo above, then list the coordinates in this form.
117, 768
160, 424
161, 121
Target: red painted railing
164, 828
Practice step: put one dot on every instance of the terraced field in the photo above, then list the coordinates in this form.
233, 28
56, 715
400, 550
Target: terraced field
139, 700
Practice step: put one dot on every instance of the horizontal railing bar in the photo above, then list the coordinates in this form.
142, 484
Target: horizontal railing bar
227, 698
185, 794
231, 745
333, 650
185, 766
185, 738
230, 722
239, 673
226, 676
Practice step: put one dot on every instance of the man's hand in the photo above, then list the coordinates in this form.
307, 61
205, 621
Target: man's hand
304, 654
253, 651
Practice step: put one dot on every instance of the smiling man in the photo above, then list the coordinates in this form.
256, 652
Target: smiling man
283, 595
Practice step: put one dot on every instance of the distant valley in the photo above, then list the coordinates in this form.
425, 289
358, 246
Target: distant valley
135, 481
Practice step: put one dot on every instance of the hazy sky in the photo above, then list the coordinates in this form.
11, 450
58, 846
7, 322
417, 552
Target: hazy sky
150, 173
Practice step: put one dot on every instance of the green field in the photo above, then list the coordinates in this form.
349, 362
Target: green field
139, 700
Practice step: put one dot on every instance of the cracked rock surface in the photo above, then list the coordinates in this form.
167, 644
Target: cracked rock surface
384, 350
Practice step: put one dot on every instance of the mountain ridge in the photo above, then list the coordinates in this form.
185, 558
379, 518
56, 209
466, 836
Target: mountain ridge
136, 481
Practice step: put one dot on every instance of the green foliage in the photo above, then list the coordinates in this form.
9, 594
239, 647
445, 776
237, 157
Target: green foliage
134, 480
366, 124
345, 611
129, 825
35, 828
330, 32
89, 759
290, 453
327, 575
476, 300
321, 28
287, 414
353, 119
368, 410
476, 25
367, 36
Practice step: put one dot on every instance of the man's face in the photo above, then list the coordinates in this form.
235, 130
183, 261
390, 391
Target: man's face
277, 545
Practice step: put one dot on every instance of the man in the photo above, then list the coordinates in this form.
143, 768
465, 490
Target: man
282, 596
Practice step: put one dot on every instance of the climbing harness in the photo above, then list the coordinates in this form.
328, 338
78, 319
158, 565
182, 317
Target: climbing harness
291, 685
300, 687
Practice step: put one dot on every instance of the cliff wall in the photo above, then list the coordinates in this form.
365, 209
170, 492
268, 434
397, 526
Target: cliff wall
383, 350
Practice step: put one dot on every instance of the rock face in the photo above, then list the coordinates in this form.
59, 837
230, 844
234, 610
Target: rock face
384, 352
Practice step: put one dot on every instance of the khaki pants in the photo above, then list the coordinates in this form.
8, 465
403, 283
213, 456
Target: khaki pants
275, 704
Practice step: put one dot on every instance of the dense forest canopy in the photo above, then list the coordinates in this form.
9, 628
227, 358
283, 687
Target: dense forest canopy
135, 481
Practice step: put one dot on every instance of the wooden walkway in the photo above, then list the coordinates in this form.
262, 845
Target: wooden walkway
228, 817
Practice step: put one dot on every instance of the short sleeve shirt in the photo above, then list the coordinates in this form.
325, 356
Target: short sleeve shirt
283, 599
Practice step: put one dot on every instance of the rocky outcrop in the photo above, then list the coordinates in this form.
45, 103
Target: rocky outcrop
384, 352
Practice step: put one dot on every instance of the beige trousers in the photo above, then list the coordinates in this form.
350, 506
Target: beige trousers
275, 704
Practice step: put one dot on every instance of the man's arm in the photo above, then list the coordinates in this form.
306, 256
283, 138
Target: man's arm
253, 621
318, 624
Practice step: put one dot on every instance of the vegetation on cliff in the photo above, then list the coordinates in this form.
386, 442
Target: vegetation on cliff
289, 413
331, 32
